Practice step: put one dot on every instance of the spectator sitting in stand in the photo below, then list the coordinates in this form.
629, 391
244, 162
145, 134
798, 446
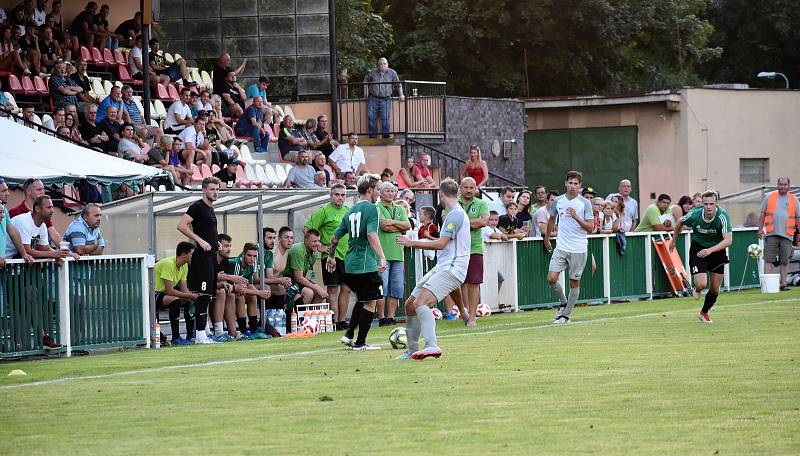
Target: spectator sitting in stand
50, 51
194, 98
82, 27
197, 148
257, 89
79, 79
302, 174
325, 143
63, 132
169, 157
90, 130
29, 47
251, 124
226, 133
349, 157
57, 120
128, 30
491, 231
71, 124
221, 70
113, 99
103, 34
63, 89
319, 179
39, 12
320, 165
10, 59
131, 147
422, 171
405, 178
136, 66
174, 71
508, 223
203, 102
290, 141
145, 132
113, 129
228, 174
232, 96
179, 115
309, 136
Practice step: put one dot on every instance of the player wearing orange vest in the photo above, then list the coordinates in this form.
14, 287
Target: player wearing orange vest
780, 217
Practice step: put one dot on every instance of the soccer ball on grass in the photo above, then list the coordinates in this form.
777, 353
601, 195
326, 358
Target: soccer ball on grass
754, 250
484, 310
397, 338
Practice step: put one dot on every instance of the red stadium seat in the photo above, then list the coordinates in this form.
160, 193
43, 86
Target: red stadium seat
125, 56
40, 86
97, 57
86, 55
214, 169
108, 57
28, 87
162, 93
205, 170
173, 92
14, 85
197, 176
125, 76
72, 197
119, 58
241, 178
4, 73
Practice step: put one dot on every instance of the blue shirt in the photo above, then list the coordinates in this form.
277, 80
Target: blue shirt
101, 110
254, 91
4, 235
133, 111
244, 124
3, 100
78, 233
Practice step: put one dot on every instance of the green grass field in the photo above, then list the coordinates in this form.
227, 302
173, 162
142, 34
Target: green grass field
636, 378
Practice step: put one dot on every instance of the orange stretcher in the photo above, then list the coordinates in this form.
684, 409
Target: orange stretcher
673, 266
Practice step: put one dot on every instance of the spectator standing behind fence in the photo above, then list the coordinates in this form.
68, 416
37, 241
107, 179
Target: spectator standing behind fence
777, 226
508, 223
172, 292
609, 223
83, 234
378, 88
682, 208
652, 220
33, 189
524, 215
8, 232
499, 205
631, 220
475, 167
542, 215
349, 157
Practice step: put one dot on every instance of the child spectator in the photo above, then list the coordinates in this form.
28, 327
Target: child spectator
508, 223
597, 210
608, 219
619, 208
428, 230
491, 231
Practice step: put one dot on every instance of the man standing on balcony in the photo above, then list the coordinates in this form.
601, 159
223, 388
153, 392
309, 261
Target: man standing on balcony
777, 226
378, 88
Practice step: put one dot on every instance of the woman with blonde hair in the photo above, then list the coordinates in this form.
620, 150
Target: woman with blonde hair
475, 167
224, 130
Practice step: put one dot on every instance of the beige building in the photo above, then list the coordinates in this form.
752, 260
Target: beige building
686, 141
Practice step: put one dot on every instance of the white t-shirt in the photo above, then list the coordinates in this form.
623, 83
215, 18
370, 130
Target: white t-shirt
190, 136
454, 257
29, 233
571, 235
631, 213
347, 161
182, 110
609, 223
498, 206
542, 215
132, 56
487, 232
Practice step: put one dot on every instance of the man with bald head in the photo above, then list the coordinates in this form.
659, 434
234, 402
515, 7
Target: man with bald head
777, 226
629, 223
379, 84
478, 213
221, 69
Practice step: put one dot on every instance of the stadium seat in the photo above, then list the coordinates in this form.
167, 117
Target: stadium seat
196, 77
37, 120
45, 118
119, 58
27, 86
97, 58
287, 111
86, 55
173, 92
12, 103
214, 168
252, 175
162, 94
272, 177
160, 109
168, 57
14, 85
241, 178
125, 76
280, 172
96, 87
40, 86
72, 197
108, 57
207, 81
197, 176
205, 170
261, 175
107, 85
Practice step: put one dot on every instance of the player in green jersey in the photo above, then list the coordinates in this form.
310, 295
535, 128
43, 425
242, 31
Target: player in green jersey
246, 295
325, 220
712, 234
364, 260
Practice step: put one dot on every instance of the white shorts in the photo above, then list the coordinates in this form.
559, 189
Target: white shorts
438, 282
561, 259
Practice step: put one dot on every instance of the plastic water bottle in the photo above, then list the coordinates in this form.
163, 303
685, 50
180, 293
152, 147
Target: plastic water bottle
157, 338
294, 321
281, 321
329, 321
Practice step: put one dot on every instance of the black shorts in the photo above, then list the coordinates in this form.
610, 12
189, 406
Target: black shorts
160, 299
367, 287
276, 302
335, 278
203, 272
713, 263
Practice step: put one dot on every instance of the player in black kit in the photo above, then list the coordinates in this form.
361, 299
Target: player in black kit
202, 268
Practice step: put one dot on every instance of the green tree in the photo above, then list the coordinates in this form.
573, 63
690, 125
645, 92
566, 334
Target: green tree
362, 37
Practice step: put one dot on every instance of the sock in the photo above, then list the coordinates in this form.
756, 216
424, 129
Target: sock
218, 328
573, 298
242, 322
364, 323
354, 317
711, 298
556, 287
341, 325
189, 319
412, 332
201, 314
253, 320
427, 325
174, 322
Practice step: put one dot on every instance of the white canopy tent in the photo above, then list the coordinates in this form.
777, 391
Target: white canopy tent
26, 152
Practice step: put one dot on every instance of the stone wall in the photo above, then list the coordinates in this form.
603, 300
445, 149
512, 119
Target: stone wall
482, 121
287, 39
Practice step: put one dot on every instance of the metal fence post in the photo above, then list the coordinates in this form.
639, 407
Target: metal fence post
64, 333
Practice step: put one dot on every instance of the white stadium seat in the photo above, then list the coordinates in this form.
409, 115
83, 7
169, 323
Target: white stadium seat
272, 177
280, 171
